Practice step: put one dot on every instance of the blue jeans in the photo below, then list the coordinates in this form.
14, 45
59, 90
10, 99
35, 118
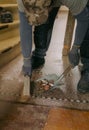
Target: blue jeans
25, 36
82, 36
84, 51
43, 33
82, 26
42, 36
26, 42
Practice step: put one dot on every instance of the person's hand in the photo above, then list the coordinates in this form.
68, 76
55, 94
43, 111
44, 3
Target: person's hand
74, 56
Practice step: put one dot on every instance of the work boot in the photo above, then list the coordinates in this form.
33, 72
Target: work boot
83, 84
37, 62
74, 56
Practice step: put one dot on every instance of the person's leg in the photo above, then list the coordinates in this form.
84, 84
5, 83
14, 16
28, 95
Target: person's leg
83, 84
26, 43
42, 37
80, 32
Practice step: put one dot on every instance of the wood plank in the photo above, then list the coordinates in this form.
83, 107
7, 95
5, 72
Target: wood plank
10, 24
8, 5
8, 43
68, 34
8, 32
64, 119
63, 8
10, 54
7, 1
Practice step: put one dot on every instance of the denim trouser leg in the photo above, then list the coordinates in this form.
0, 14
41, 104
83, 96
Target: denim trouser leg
42, 34
84, 48
82, 26
84, 51
26, 40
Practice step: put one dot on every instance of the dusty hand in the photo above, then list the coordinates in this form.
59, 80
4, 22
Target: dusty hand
74, 56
